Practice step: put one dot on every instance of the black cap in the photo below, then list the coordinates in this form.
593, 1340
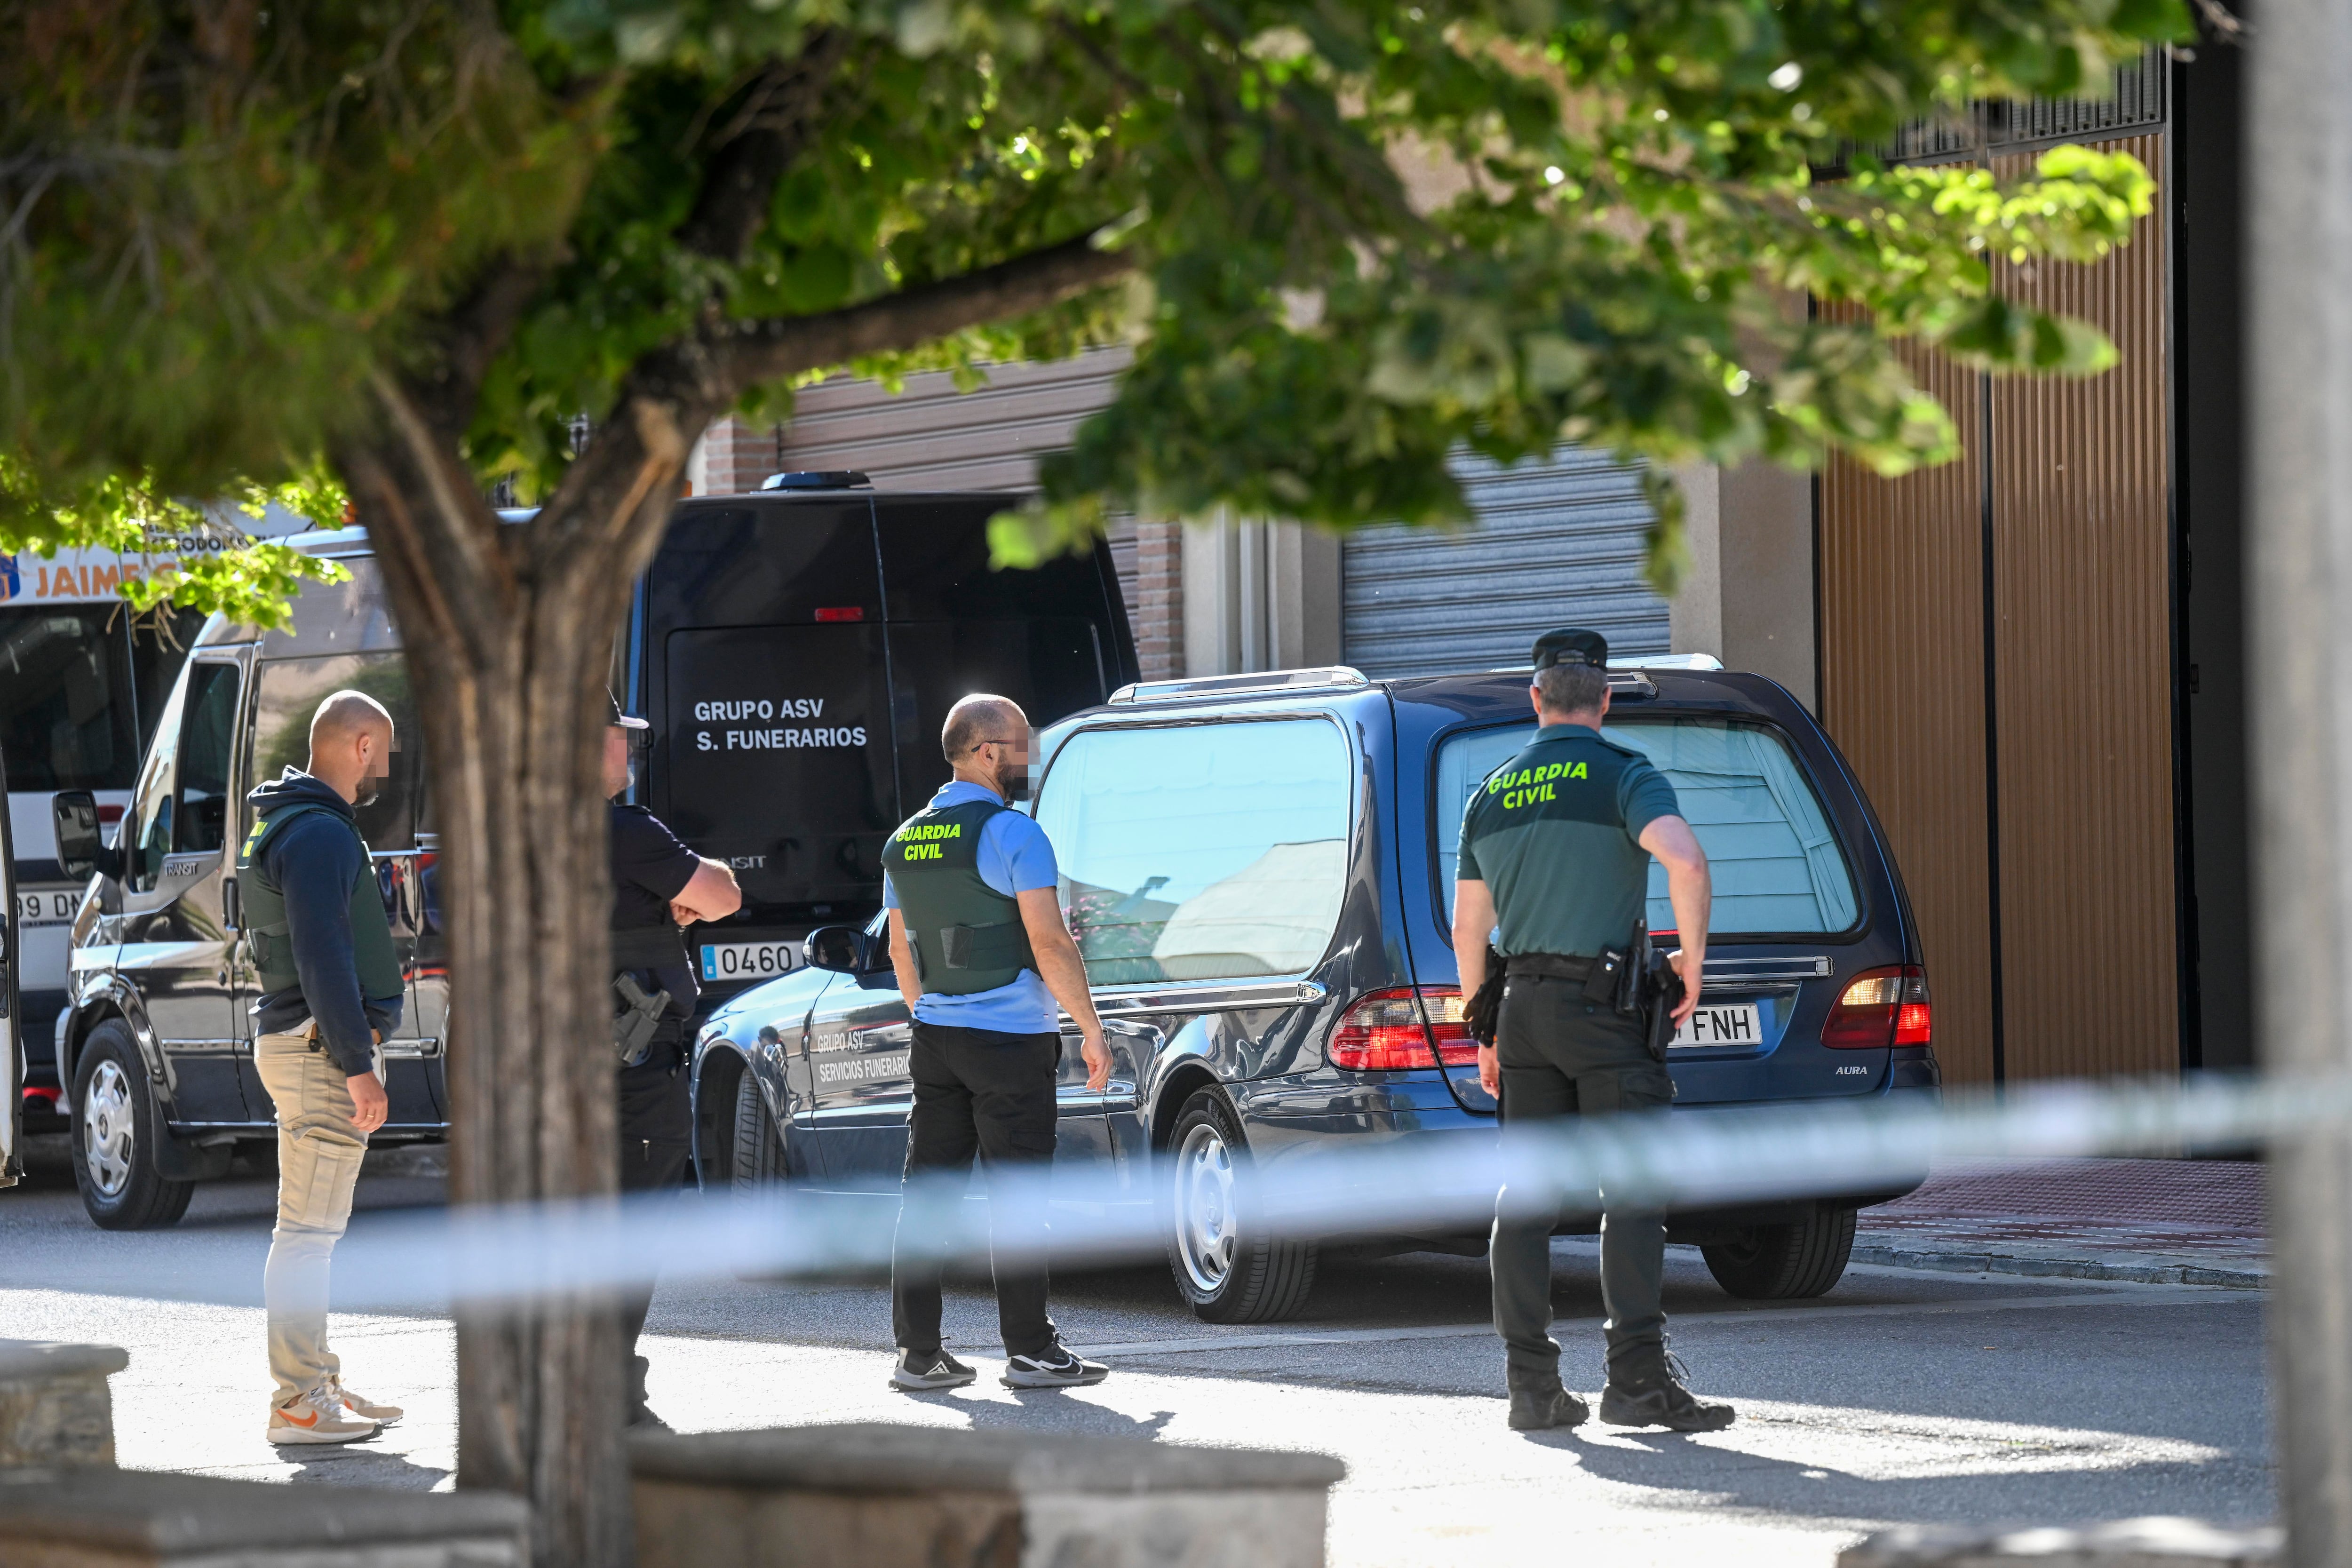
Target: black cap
1571, 645
620, 718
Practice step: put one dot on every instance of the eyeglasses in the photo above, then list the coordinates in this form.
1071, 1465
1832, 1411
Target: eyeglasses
978, 744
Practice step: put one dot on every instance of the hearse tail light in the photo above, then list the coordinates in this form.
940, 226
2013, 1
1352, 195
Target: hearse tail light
1401, 1028
1455, 1048
1879, 1008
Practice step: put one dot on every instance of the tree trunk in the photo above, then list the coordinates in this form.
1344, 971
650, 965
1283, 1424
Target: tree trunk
509, 633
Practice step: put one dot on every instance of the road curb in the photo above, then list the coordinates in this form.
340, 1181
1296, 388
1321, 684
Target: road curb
2149, 1273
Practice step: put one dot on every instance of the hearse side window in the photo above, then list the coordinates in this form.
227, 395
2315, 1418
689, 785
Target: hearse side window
1776, 859
1202, 852
290, 691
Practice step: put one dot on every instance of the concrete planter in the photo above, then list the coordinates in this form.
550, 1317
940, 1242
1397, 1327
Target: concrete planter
2127, 1543
55, 1407
878, 1496
98, 1517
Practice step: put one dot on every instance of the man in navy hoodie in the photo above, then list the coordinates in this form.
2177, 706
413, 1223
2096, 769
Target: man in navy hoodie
331, 986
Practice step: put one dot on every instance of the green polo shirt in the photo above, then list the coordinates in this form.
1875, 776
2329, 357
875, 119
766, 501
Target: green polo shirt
1555, 834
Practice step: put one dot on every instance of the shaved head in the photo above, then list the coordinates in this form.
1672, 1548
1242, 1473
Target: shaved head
345, 716
351, 745
983, 716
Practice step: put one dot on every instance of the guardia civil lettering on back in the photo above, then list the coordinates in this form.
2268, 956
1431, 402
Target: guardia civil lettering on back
1555, 864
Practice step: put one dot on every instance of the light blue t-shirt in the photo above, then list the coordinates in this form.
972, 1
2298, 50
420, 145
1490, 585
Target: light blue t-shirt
1016, 857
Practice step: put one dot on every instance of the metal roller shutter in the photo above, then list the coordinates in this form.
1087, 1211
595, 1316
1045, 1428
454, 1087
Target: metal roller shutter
1555, 543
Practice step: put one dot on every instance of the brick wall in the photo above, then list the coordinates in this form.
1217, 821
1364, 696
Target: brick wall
735, 457
1156, 613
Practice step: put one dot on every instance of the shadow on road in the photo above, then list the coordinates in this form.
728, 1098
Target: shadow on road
358, 1464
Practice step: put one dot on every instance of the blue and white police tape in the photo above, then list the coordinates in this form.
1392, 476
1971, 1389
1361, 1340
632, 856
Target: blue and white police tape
1416, 1184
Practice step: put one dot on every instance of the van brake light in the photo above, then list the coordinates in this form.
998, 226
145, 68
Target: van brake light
1402, 1028
1879, 1008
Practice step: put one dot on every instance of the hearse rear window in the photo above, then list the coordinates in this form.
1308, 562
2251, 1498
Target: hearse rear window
1777, 862
1200, 852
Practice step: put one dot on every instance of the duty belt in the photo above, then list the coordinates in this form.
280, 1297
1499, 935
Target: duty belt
647, 947
1548, 966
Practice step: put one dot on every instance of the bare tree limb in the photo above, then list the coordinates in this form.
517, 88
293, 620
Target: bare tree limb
472, 333
430, 521
773, 117
762, 139
743, 354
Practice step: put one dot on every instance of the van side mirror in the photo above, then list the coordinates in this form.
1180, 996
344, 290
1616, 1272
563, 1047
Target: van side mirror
843, 949
81, 847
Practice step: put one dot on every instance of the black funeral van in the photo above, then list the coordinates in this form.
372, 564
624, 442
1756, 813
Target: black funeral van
796, 651
797, 654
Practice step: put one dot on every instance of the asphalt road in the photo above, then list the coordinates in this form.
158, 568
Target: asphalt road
1899, 1398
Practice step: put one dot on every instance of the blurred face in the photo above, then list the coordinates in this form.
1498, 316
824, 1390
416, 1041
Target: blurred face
1006, 761
375, 749
619, 773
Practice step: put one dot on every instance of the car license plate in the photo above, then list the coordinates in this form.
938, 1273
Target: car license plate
749, 960
1732, 1024
48, 906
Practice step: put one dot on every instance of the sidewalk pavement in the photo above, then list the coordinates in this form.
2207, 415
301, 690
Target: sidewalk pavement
2193, 1222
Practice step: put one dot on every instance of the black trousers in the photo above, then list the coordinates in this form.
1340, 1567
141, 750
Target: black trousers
986, 1092
1563, 1056
656, 1137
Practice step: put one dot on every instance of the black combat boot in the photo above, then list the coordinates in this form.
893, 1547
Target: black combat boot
1539, 1404
1646, 1389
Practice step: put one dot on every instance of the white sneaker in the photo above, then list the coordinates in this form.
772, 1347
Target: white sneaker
317, 1416
366, 1409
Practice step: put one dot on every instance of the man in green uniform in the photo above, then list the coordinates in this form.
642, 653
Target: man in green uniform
1556, 849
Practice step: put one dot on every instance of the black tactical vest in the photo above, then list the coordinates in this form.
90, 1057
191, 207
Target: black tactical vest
966, 936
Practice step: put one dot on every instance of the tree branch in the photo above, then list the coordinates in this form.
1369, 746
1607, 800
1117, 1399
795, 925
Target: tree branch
742, 354
764, 136
472, 333
429, 522
768, 130
633, 468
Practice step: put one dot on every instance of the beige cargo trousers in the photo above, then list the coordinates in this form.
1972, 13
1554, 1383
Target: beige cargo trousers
319, 1153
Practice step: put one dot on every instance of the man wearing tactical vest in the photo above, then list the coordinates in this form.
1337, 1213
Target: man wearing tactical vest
332, 987
1555, 851
981, 955
658, 885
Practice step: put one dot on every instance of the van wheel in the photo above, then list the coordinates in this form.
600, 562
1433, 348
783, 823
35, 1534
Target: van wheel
757, 1156
115, 1135
1227, 1271
1784, 1262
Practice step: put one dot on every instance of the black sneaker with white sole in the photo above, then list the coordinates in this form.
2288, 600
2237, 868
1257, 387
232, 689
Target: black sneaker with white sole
921, 1372
1058, 1367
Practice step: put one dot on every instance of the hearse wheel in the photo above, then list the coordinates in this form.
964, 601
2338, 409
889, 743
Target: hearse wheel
1227, 1270
1784, 1262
